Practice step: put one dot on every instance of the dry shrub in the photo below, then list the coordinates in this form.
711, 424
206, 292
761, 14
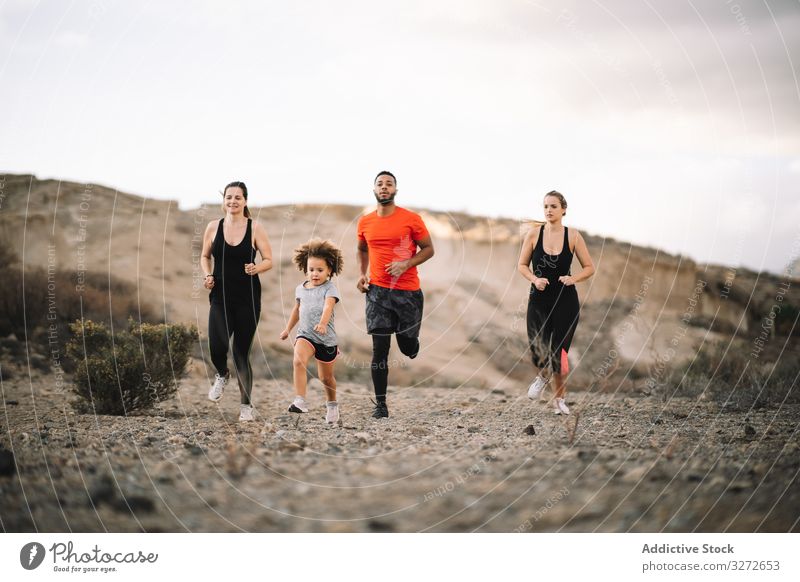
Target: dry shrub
38, 307
121, 372
734, 379
786, 321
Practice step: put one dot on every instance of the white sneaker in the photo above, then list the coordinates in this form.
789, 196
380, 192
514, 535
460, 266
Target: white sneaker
535, 389
246, 413
561, 406
298, 405
332, 416
218, 388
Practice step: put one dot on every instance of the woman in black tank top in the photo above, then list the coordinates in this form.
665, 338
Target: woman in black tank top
553, 307
235, 295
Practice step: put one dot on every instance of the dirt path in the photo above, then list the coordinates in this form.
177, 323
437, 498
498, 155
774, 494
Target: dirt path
447, 460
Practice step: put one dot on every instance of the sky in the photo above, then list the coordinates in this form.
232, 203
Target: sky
666, 123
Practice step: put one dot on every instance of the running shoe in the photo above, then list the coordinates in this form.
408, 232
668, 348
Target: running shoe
218, 388
381, 411
535, 389
298, 405
561, 406
332, 416
246, 413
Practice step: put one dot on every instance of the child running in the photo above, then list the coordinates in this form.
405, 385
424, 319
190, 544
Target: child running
313, 309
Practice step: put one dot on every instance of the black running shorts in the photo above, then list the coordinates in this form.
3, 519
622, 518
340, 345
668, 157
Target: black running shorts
322, 353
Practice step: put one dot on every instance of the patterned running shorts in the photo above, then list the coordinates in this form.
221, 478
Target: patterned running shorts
394, 309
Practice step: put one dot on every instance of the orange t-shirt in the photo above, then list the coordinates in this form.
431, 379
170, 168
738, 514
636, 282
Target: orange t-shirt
392, 238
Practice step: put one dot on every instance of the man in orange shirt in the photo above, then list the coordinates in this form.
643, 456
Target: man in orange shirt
387, 247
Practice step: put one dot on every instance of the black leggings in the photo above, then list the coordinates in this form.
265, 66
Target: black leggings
239, 320
381, 341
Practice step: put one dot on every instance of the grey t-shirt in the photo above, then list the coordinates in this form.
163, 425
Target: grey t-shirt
312, 302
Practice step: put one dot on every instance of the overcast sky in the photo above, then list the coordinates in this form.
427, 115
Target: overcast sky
666, 123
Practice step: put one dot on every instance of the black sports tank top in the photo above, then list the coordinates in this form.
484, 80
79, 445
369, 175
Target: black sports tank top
231, 283
551, 267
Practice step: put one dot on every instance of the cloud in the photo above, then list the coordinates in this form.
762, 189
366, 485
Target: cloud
726, 69
71, 39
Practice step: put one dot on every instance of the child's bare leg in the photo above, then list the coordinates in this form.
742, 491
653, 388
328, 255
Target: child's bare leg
325, 372
302, 353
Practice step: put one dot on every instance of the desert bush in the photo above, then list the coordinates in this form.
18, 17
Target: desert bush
737, 382
715, 324
38, 306
786, 322
129, 370
37, 298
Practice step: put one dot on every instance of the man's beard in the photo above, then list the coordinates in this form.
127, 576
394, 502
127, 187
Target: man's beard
385, 201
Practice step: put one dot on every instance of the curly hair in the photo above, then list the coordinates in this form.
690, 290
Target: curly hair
321, 249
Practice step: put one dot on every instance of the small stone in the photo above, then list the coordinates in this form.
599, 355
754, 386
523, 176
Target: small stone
474, 429
419, 431
135, 504
102, 491
636, 474
716, 482
290, 447
529, 430
7, 465
363, 436
739, 486
375, 525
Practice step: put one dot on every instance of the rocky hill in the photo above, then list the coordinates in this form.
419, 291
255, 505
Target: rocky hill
463, 450
643, 306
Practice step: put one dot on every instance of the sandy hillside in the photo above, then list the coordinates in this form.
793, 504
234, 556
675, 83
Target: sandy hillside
463, 450
475, 301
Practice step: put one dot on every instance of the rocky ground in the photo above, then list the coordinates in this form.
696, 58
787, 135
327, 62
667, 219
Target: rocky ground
448, 459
